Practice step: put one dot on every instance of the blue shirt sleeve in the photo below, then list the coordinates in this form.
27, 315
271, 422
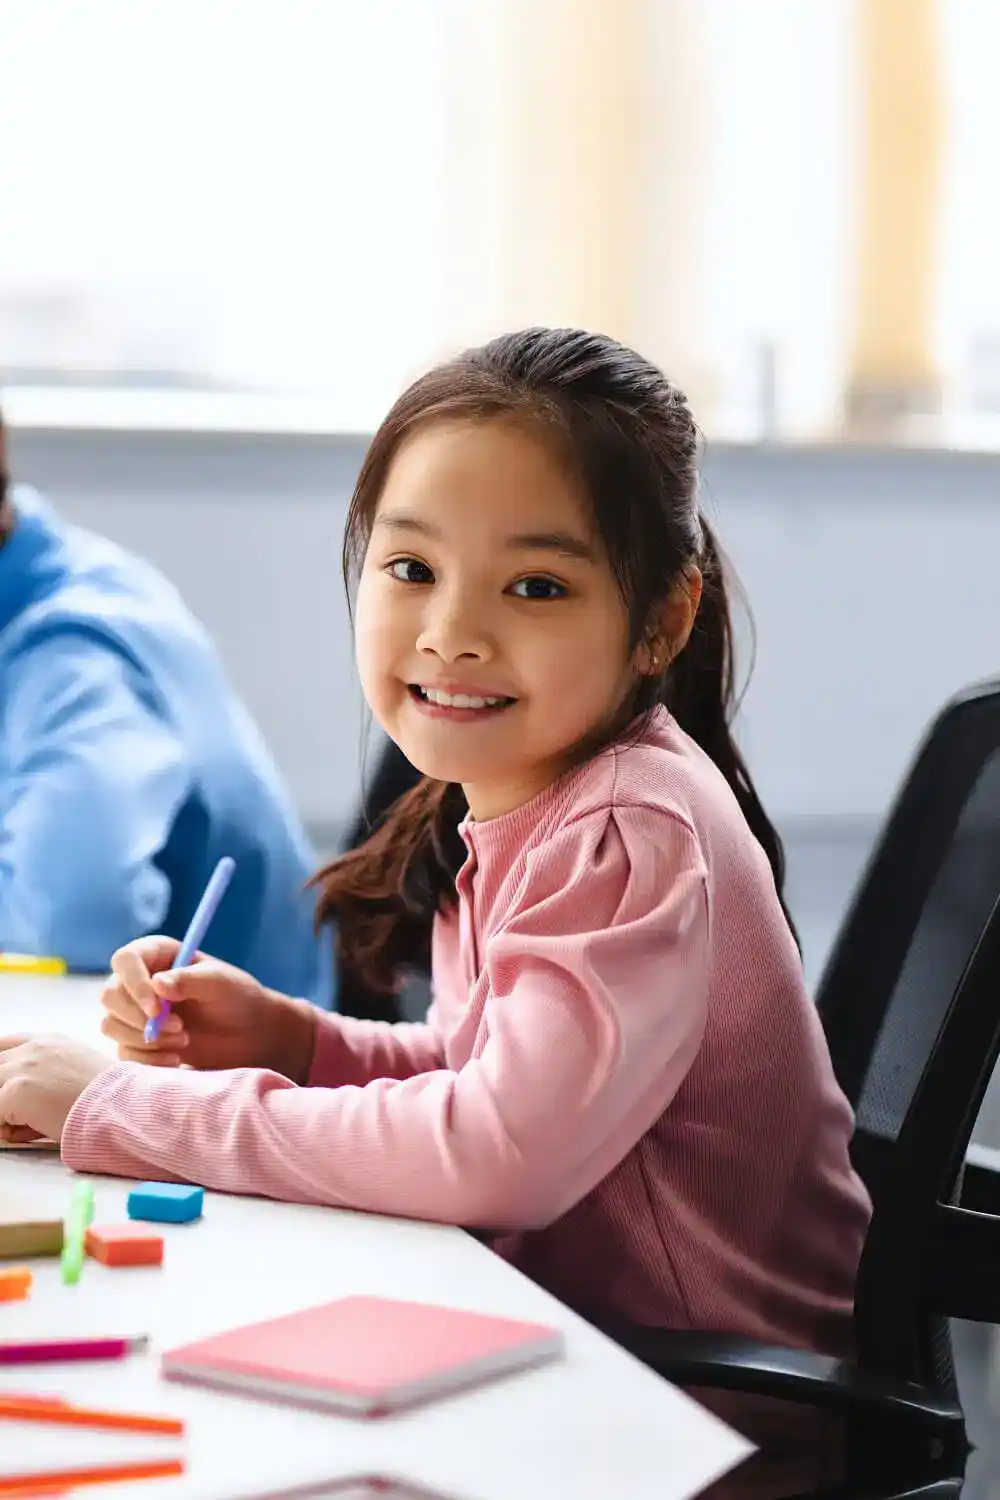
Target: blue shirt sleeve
93, 782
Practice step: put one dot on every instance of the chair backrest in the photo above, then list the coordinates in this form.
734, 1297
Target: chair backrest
918, 912
901, 985
899, 1307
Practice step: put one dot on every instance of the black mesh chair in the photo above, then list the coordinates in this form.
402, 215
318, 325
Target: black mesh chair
911, 1005
924, 897
925, 1259
919, 908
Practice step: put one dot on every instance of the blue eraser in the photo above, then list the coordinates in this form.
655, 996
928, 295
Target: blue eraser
166, 1202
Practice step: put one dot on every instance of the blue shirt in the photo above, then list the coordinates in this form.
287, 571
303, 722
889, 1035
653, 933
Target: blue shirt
128, 767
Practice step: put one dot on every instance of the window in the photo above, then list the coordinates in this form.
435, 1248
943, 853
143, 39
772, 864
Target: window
244, 194
261, 195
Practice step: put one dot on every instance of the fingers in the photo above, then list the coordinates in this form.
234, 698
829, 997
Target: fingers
136, 991
125, 1022
178, 985
142, 969
117, 1001
19, 1135
132, 1047
7, 1043
11, 1113
164, 1053
130, 1030
120, 1004
138, 964
130, 970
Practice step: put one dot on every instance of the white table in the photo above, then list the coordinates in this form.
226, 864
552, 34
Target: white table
595, 1424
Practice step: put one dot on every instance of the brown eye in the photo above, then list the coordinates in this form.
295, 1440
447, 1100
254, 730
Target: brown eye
538, 587
409, 570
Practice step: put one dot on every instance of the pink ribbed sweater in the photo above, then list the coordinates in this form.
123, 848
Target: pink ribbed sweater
621, 1079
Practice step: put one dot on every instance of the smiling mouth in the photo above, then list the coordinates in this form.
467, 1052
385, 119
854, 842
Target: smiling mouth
464, 703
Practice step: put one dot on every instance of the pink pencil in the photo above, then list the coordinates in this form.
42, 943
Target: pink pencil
54, 1350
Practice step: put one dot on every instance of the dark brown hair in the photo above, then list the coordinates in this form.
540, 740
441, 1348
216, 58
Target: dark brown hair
631, 438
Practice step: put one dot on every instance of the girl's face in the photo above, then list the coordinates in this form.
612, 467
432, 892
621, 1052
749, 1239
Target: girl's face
491, 635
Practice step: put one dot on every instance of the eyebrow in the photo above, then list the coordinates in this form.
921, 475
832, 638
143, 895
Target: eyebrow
522, 541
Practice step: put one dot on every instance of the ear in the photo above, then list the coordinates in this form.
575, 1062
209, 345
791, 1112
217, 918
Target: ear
671, 632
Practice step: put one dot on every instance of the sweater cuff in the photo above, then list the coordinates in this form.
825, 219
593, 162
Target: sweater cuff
77, 1145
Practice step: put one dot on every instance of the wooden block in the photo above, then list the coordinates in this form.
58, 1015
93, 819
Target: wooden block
124, 1245
15, 1283
26, 1231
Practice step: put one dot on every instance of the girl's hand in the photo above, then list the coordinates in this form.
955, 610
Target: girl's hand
220, 1016
41, 1078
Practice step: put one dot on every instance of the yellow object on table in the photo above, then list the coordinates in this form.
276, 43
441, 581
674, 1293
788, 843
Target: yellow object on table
30, 963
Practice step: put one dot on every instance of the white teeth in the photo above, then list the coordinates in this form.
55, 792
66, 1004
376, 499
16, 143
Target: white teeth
459, 700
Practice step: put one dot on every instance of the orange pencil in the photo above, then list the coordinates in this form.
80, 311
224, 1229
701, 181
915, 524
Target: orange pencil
42, 1487
34, 1410
59, 1481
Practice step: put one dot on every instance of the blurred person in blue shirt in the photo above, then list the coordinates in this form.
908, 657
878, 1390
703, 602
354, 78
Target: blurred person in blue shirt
128, 767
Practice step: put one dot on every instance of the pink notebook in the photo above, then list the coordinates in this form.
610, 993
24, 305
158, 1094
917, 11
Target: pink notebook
366, 1355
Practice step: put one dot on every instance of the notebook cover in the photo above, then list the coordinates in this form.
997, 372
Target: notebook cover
364, 1354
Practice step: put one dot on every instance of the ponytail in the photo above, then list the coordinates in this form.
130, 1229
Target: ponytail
382, 896
700, 692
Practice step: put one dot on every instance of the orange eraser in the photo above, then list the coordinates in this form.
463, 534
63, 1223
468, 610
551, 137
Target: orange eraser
124, 1245
15, 1283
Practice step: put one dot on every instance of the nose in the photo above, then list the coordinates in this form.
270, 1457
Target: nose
453, 627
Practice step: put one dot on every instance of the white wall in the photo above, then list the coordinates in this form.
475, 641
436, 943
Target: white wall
872, 577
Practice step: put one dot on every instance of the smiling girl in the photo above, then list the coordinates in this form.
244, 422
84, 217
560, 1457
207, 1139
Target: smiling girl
622, 1081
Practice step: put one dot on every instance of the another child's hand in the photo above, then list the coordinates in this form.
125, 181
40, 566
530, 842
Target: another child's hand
220, 1016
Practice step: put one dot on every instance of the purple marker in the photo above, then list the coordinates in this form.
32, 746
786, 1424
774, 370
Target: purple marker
195, 935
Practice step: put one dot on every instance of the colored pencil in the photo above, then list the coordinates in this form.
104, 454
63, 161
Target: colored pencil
194, 937
81, 1416
59, 1481
49, 1351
